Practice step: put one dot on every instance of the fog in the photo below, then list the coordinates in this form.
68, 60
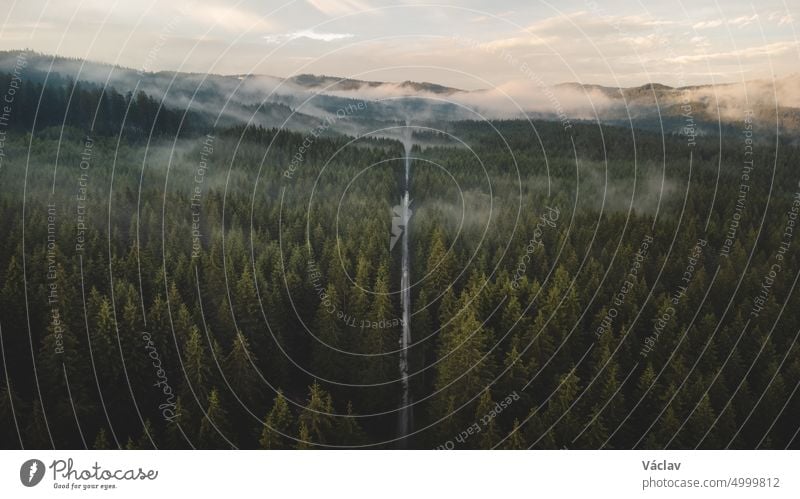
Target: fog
301, 102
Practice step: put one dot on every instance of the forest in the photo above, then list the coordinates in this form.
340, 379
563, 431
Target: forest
170, 282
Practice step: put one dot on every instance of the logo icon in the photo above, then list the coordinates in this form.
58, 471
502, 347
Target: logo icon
31, 472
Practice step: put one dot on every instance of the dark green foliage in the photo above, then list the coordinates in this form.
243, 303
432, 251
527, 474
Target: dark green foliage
274, 323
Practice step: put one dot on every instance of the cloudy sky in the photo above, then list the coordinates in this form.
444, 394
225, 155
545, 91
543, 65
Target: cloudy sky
466, 43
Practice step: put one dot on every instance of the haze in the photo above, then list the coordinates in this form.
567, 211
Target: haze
466, 44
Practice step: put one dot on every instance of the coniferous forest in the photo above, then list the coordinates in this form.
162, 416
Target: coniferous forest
172, 281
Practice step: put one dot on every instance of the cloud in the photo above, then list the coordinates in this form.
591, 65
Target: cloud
733, 56
558, 29
518, 41
485, 18
594, 24
645, 42
339, 7
708, 24
739, 22
700, 42
781, 18
743, 21
308, 34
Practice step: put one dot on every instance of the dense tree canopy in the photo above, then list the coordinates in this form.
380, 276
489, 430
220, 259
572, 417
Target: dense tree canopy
235, 286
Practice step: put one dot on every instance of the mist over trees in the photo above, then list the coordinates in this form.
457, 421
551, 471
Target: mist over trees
167, 284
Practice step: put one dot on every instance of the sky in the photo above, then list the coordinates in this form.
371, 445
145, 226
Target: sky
466, 44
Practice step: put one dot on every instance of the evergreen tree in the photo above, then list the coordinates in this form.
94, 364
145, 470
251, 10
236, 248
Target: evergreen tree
316, 418
277, 425
214, 428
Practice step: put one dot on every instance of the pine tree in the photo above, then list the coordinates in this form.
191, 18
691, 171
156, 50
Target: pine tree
514, 440
512, 382
489, 435
104, 344
347, 430
304, 438
101, 441
11, 411
666, 430
379, 367
560, 411
440, 265
37, 432
701, 422
61, 382
277, 425
327, 362
464, 367
214, 429
148, 437
196, 367
315, 417
174, 434
240, 371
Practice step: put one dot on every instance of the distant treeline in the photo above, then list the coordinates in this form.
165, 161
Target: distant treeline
60, 101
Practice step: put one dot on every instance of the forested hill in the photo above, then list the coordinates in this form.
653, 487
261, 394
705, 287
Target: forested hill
603, 287
95, 109
303, 102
